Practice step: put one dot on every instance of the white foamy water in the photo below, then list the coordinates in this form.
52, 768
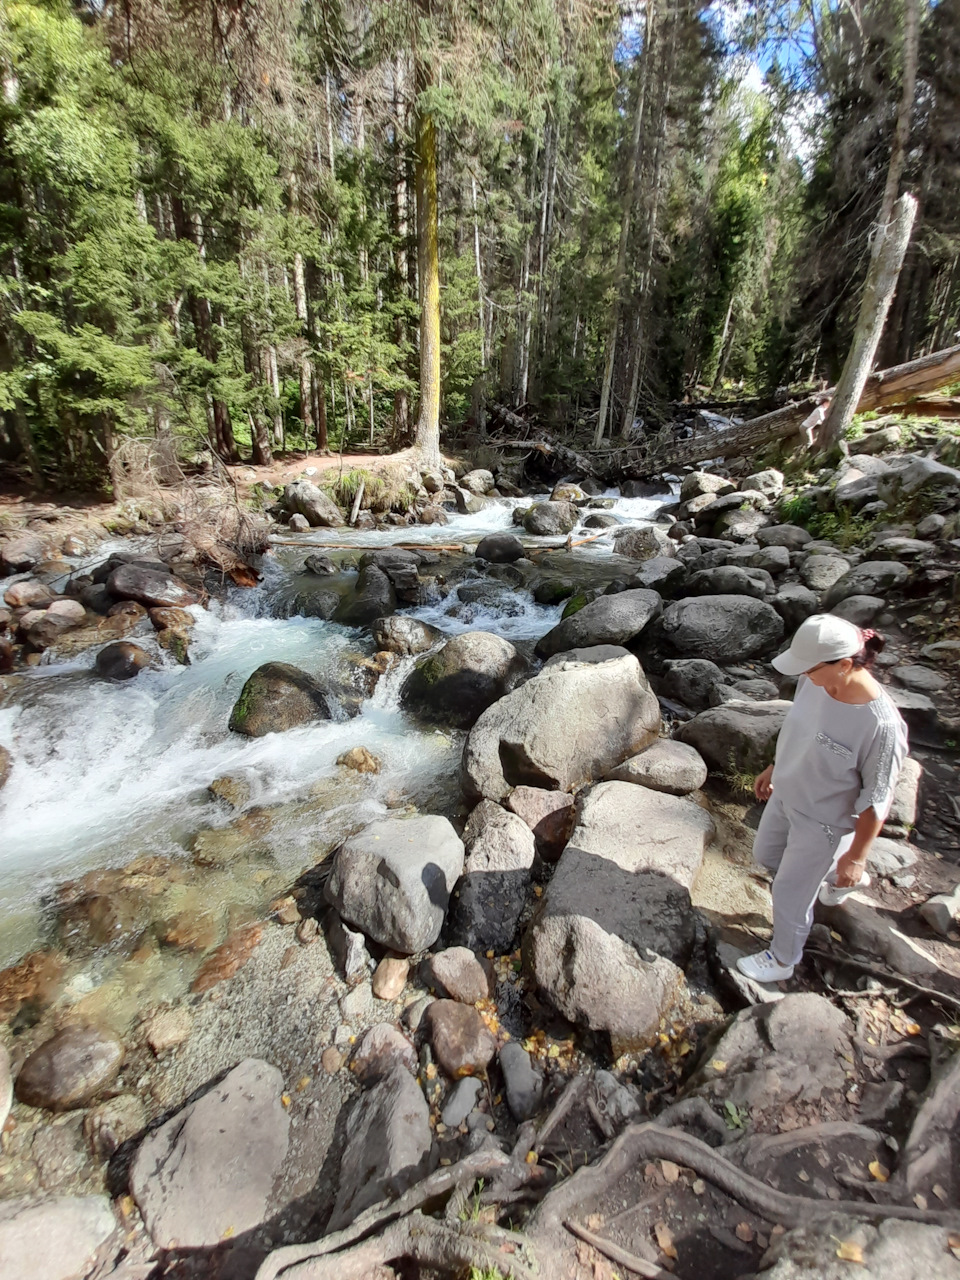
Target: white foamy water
103, 771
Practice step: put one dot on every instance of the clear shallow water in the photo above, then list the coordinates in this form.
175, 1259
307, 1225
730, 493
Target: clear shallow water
105, 772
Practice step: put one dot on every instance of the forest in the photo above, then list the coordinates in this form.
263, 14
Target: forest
238, 227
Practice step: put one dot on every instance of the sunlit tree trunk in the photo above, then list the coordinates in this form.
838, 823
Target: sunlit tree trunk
427, 434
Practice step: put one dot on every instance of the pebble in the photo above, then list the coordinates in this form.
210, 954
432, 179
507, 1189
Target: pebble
167, 1029
522, 1081
331, 1060
390, 977
357, 1005
460, 1102
69, 1069
457, 973
460, 1039
380, 1051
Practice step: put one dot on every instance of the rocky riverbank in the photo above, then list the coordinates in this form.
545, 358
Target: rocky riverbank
510, 991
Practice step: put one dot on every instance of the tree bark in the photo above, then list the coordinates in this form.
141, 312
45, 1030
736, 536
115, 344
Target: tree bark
886, 260
427, 434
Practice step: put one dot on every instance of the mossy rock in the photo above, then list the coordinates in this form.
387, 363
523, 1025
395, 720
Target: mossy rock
576, 603
278, 697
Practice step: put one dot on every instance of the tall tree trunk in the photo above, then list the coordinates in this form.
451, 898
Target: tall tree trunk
886, 258
306, 362
427, 434
629, 194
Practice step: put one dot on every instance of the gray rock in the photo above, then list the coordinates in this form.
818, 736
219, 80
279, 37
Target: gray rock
878, 441
373, 597
615, 922
931, 526
149, 586
321, 565
865, 930
548, 814
662, 574
889, 857
21, 552
393, 880
769, 483
819, 572
644, 543
571, 723
53, 1239
461, 1100
922, 483
211, 1168
692, 682
615, 1100
896, 548
704, 482
522, 1081
673, 767
772, 559
500, 548
403, 635
389, 1147
903, 809
869, 578
601, 520
298, 523
278, 697
795, 1049
463, 678
795, 604
737, 737
920, 679
918, 710
746, 500
497, 871
942, 913
613, 619
457, 973
728, 580
381, 1051
740, 525
550, 519
479, 481
121, 660
894, 1250
69, 1069
860, 610
723, 628
791, 536
305, 499
348, 948
750, 690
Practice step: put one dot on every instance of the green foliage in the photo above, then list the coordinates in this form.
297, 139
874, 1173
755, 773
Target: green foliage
735, 1117
841, 527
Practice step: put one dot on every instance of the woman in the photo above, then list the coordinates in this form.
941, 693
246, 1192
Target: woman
831, 786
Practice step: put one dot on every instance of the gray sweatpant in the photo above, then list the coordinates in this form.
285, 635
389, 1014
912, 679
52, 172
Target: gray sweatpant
801, 852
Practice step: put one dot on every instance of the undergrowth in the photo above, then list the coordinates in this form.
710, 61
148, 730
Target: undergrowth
386, 490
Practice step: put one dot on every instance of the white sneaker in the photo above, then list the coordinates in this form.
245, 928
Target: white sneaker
832, 895
764, 967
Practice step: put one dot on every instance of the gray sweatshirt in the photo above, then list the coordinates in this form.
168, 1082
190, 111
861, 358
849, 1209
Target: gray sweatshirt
835, 759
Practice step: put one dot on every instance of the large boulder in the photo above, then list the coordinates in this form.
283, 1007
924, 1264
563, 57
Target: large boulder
668, 766
698, 483
278, 697
613, 619
820, 572
869, 578
615, 926
393, 880
209, 1171
662, 574
149, 586
463, 678
922, 485
500, 851
305, 499
728, 580
403, 635
890, 1250
795, 604
549, 519
737, 737
53, 1238
389, 1146
723, 628
549, 815
480, 481
791, 536
691, 682
768, 482
500, 548
570, 724
644, 543
373, 597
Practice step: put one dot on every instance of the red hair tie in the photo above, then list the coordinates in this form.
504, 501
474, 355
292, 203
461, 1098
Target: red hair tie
866, 635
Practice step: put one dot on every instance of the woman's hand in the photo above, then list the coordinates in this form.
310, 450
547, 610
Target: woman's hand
849, 870
763, 784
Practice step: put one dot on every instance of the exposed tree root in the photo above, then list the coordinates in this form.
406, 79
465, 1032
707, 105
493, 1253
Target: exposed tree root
641, 1266
639, 1143
877, 971
698, 1112
928, 1146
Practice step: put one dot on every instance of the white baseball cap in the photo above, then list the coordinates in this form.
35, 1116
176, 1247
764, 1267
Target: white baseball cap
822, 638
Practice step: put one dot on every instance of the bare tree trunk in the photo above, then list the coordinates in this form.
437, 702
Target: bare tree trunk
885, 263
886, 258
427, 434
620, 270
